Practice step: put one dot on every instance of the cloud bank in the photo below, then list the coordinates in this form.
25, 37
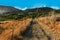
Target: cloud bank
37, 6
44, 5
55, 7
21, 8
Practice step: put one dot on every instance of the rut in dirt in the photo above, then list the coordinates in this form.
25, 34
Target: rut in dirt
35, 32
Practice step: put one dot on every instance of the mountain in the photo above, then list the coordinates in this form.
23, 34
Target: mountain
6, 10
39, 10
9, 12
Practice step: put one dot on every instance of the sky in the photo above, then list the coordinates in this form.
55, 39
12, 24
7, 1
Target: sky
26, 4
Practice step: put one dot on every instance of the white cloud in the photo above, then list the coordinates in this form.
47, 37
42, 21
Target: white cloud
24, 8
39, 5
44, 5
21, 8
55, 7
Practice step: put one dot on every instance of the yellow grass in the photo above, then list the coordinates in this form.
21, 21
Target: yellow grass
19, 26
51, 26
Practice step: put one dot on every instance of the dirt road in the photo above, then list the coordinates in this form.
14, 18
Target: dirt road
35, 32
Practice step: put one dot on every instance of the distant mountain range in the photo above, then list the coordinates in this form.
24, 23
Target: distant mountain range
6, 11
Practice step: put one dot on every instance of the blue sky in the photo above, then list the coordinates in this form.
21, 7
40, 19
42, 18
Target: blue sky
24, 4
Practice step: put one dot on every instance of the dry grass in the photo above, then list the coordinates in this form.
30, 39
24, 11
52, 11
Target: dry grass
51, 26
19, 26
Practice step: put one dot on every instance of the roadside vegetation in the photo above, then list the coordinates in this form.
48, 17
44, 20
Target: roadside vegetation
19, 16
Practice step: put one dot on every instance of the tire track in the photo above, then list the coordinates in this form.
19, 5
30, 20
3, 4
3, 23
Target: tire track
35, 32
47, 30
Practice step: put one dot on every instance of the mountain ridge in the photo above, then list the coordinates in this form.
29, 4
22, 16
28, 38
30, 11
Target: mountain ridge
14, 13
